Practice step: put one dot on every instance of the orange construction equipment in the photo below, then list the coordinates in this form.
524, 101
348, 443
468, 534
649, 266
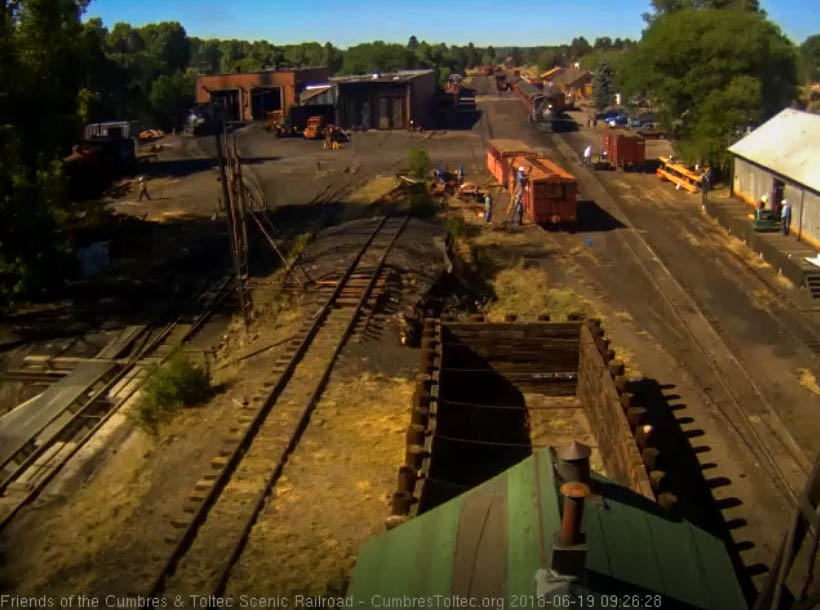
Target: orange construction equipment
679, 174
499, 153
550, 193
315, 128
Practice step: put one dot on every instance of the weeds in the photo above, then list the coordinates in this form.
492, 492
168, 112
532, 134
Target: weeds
421, 202
419, 162
177, 383
302, 240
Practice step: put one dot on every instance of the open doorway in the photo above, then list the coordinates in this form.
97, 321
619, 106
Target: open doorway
777, 193
265, 100
227, 101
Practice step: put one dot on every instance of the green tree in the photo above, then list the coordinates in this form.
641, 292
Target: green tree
517, 57
603, 42
712, 71
376, 56
42, 61
167, 43
667, 7
603, 86
549, 58
491, 52
810, 59
171, 96
413, 43
579, 47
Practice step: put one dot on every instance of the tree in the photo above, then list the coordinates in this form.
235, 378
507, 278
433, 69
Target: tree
171, 96
603, 86
712, 71
549, 58
667, 7
579, 47
42, 67
491, 52
603, 42
517, 58
376, 57
810, 59
413, 43
167, 43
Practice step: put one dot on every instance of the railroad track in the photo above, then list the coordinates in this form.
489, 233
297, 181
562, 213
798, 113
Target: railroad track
25, 474
210, 532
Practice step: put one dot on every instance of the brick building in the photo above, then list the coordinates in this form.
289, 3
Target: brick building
249, 96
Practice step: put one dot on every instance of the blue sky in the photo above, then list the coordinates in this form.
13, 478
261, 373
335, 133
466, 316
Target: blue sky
348, 22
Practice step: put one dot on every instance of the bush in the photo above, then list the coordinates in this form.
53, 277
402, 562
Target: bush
177, 383
422, 203
457, 227
419, 162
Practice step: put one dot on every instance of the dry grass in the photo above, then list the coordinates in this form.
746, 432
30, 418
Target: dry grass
808, 380
375, 189
334, 492
79, 534
527, 291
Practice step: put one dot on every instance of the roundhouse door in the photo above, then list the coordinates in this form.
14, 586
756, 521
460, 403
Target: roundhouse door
398, 113
384, 113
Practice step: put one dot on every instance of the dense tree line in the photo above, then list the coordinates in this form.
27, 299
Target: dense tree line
712, 71
710, 66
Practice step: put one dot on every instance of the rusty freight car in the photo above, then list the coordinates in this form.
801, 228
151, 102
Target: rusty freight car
550, 194
625, 150
499, 153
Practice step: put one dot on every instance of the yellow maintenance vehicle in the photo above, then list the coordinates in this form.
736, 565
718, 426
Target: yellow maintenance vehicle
315, 129
279, 124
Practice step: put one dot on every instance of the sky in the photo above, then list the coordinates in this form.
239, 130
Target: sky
482, 22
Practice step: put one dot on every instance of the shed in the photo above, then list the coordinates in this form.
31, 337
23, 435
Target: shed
781, 159
488, 543
575, 82
385, 101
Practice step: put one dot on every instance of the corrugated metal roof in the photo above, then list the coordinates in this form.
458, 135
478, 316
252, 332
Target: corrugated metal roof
381, 77
490, 541
787, 144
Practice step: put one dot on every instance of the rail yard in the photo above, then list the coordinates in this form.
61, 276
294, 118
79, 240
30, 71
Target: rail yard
460, 341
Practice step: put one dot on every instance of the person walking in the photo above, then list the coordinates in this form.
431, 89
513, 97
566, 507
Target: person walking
704, 187
595, 123
785, 216
461, 174
488, 209
587, 155
143, 184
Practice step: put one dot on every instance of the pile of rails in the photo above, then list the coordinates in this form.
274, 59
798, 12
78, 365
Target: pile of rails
550, 195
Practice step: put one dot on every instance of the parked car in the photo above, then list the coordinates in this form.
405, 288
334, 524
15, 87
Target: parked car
619, 120
605, 116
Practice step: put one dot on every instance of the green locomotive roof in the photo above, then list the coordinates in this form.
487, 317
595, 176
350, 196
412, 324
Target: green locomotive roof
489, 543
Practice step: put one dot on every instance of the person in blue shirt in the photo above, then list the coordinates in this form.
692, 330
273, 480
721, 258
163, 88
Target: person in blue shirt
488, 209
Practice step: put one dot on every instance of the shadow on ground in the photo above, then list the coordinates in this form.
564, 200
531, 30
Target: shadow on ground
592, 217
683, 456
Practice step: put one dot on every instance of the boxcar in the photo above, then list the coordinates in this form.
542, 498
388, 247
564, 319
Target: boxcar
499, 153
550, 195
625, 148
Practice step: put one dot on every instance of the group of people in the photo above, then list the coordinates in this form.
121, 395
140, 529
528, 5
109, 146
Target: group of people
516, 203
782, 209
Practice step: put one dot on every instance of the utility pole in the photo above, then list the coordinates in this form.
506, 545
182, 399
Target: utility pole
238, 245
